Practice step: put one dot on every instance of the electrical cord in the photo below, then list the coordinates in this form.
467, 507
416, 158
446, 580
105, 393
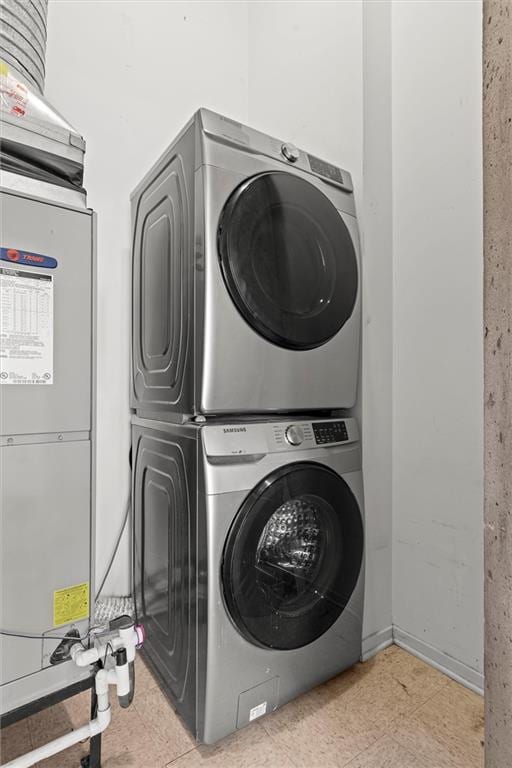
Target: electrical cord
132, 574
116, 547
32, 636
109, 645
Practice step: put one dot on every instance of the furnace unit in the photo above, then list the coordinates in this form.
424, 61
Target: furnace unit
47, 269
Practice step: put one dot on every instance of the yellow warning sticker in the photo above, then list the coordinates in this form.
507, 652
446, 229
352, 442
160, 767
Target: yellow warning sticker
70, 604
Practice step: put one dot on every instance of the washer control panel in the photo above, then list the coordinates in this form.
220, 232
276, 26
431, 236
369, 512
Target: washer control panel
312, 434
260, 438
330, 432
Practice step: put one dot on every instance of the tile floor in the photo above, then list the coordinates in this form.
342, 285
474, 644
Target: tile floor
394, 711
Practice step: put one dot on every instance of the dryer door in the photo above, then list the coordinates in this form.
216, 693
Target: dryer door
293, 556
288, 260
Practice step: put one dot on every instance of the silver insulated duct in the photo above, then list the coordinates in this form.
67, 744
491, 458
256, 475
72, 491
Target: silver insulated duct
35, 140
23, 38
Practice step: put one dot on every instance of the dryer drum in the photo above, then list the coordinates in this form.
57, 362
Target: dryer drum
288, 260
293, 556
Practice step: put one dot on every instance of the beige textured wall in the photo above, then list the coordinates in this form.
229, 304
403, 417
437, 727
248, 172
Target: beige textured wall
497, 134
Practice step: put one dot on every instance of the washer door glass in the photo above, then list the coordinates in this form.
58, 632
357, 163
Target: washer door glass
288, 260
293, 556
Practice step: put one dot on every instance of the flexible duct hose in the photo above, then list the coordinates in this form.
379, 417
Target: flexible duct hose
23, 37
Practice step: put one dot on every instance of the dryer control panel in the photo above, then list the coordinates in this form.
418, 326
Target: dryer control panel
255, 142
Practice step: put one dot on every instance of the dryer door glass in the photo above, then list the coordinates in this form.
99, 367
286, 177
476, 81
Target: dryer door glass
293, 556
288, 260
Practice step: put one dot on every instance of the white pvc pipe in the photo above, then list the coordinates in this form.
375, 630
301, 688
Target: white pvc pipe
84, 657
119, 676
93, 728
128, 638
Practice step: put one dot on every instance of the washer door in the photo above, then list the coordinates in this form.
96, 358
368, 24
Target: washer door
293, 556
288, 260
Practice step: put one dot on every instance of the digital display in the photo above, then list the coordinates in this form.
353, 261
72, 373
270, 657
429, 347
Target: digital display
325, 169
330, 432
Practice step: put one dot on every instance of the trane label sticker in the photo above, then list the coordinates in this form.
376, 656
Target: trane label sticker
26, 327
19, 258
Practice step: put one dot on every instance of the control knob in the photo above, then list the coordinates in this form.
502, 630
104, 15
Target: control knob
294, 435
291, 152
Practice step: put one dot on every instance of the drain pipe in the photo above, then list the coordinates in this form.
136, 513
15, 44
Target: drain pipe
122, 648
93, 728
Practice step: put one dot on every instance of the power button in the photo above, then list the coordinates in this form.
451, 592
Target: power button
291, 152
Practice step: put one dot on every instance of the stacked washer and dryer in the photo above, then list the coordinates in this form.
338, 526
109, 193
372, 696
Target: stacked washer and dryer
247, 487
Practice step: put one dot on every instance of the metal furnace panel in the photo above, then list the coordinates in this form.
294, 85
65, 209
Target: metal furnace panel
45, 525
46, 263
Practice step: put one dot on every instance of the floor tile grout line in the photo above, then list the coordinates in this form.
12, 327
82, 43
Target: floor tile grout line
416, 707
370, 746
386, 729
180, 756
405, 717
290, 757
277, 745
272, 740
432, 739
407, 748
175, 713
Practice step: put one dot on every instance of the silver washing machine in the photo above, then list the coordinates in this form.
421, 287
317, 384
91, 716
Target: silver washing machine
248, 562
246, 277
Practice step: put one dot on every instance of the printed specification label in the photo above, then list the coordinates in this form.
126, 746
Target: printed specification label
26, 327
258, 711
70, 604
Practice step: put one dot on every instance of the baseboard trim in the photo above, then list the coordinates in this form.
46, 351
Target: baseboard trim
457, 670
377, 642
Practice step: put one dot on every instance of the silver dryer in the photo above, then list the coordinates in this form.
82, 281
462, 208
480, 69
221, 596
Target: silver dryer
246, 278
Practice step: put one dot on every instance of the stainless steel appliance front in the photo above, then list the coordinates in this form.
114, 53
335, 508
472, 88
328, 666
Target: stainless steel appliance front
248, 561
246, 286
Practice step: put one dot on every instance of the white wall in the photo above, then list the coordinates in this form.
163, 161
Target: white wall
296, 75
438, 363
128, 75
375, 216
306, 86
306, 77
391, 92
